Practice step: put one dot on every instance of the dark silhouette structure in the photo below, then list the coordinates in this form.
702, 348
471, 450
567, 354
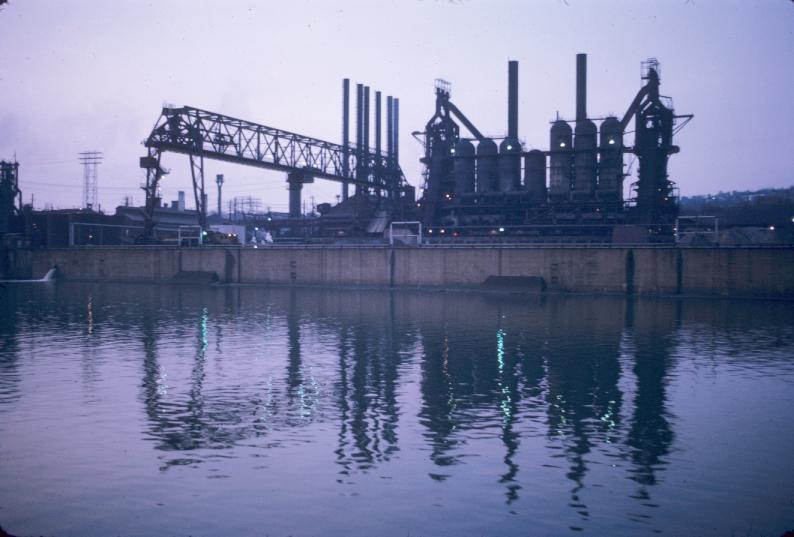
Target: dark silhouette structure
481, 192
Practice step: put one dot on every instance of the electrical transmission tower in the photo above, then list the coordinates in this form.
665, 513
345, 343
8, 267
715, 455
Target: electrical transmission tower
90, 161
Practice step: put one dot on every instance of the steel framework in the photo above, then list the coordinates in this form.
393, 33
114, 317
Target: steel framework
9, 193
202, 134
90, 161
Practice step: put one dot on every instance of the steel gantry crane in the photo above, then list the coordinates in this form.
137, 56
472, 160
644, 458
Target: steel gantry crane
201, 134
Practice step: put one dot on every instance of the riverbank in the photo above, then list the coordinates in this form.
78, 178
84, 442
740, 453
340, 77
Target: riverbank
732, 272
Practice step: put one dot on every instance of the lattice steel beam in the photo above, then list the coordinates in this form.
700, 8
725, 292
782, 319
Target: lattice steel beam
207, 134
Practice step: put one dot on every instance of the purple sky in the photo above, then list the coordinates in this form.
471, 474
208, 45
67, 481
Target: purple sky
93, 75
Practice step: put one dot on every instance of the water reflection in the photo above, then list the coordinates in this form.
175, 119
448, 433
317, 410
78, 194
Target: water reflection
531, 386
9, 348
369, 358
650, 435
583, 399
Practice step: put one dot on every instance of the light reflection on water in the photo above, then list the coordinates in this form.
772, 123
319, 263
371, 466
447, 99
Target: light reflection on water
338, 412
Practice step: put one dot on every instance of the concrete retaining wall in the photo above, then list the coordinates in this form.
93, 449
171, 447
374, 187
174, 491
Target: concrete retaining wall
697, 271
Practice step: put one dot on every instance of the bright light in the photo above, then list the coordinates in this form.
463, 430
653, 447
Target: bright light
204, 233
442, 231
611, 141
562, 144
256, 229
430, 231
771, 228
452, 150
509, 147
501, 230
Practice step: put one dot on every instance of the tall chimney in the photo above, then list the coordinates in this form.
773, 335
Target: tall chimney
359, 125
512, 99
366, 123
181, 202
581, 87
389, 130
365, 162
396, 135
345, 134
377, 124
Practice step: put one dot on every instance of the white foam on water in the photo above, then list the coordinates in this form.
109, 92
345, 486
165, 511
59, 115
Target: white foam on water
49, 277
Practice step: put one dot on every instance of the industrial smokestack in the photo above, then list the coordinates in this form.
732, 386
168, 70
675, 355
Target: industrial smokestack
181, 200
512, 99
366, 122
377, 124
345, 121
581, 87
359, 115
396, 135
365, 162
345, 133
359, 126
389, 129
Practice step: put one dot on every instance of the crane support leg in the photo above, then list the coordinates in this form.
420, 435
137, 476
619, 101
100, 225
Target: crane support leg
295, 182
197, 173
154, 172
295, 185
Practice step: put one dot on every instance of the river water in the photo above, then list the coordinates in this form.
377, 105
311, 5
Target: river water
156, 410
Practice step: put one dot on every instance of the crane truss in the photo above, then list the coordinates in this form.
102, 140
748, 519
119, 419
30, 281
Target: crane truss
202, 134
207, 134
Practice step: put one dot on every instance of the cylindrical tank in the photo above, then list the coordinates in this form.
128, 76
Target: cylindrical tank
585, 158
610, 167
487, 180
463, 169
560, 161
509, 165
535, 175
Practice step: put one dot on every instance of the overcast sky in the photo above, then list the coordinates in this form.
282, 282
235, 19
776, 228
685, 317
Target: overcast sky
92, 75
